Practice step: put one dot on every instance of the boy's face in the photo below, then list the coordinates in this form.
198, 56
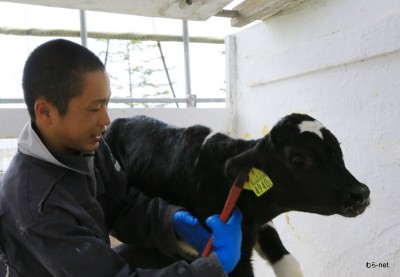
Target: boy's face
80, 129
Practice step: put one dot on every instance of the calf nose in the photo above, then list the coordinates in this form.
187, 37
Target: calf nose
358, 194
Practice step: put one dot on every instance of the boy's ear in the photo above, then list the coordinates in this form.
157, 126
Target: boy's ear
44, 111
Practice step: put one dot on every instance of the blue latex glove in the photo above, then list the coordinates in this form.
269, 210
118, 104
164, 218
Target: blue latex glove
190, 229
227, 239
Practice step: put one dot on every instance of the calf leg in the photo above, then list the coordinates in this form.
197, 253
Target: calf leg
243, 268
270, 248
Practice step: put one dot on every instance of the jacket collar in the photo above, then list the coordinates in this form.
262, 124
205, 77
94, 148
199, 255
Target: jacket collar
30, 144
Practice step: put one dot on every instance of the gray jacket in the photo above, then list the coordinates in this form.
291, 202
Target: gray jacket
56, 213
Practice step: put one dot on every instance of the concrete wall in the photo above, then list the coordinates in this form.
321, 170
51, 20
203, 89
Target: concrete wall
338, 61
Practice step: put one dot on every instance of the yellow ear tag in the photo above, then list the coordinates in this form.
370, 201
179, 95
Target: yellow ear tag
259, 182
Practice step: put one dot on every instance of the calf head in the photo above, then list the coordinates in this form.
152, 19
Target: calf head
305, 163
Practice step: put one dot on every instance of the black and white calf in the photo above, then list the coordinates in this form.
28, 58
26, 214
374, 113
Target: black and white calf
195, 168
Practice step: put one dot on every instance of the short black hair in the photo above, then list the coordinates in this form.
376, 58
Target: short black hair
55, 70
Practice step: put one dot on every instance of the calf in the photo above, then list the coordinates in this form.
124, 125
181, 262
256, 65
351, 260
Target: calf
194, 168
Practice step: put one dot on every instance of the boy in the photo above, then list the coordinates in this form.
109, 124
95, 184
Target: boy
64, 192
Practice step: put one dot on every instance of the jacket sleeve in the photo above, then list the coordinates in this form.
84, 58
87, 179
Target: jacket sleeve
133, 217
67, 249
201, 267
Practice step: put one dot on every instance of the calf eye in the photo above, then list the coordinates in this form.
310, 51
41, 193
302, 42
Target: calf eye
298, 162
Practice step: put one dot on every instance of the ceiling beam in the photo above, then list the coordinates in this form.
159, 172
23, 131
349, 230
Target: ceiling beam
251, 10
105, 35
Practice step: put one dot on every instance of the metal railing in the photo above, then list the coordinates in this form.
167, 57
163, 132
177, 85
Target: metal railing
190, 101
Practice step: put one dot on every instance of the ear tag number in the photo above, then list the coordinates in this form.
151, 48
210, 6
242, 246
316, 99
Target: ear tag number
259, 182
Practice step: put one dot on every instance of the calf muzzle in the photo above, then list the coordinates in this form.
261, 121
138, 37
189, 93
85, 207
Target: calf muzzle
355, 201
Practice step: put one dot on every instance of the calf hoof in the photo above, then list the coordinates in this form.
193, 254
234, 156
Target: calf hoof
288, 266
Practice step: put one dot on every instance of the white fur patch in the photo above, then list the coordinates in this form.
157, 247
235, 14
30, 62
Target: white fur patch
210, 135
270, 224
311, 126
288, 266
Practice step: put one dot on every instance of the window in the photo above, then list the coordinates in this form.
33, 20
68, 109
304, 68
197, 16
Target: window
135, 66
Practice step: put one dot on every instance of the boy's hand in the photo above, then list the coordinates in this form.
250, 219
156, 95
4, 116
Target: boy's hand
190, 229
227, 239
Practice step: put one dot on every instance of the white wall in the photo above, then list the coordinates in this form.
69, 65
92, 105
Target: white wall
338, 61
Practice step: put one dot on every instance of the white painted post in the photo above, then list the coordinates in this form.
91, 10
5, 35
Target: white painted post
82, 17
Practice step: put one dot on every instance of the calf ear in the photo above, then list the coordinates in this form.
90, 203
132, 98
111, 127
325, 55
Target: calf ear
231, 168
245, 159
